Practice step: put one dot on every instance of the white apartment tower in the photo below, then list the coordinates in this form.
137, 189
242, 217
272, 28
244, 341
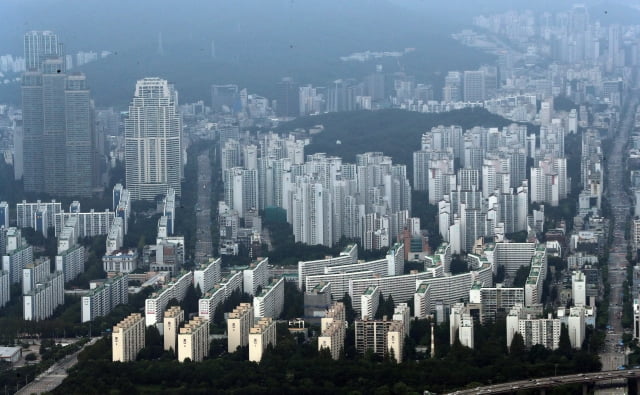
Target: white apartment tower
579, 289
370, 302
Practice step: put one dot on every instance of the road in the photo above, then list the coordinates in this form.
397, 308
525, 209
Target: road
613, 355
554, 381
52, 378
204, 241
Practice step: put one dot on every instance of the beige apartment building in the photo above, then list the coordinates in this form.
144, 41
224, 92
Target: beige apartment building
260, 336
239, 323
193, 340
171, 325
128, 338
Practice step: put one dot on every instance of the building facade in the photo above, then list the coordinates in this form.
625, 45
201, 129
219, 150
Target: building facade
153, 141
128, 338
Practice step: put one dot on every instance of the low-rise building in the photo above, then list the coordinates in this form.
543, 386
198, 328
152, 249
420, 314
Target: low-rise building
121, 261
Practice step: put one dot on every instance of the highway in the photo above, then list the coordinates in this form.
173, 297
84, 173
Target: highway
555, 381
613, 355
204, 241
53, 377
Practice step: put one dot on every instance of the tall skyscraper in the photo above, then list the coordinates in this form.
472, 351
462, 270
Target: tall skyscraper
58, 148
82, 163
153, 140
33, 128
288, 99
38, 46
474, 86
53, 84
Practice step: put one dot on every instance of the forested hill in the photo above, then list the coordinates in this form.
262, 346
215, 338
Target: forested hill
397, 133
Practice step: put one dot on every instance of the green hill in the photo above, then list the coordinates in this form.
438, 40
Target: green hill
395, 132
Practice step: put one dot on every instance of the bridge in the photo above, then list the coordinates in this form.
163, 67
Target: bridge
544, 383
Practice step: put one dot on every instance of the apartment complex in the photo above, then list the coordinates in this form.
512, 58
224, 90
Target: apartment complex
104, 296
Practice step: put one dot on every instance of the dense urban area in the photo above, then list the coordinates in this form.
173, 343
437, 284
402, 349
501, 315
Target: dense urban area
373, 234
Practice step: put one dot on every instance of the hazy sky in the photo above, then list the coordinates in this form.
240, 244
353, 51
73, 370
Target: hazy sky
257, 42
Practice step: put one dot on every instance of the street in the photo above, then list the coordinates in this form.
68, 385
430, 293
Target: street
52, 378
613, 355
204, 242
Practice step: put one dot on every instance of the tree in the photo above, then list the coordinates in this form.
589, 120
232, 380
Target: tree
458, 265
521, 276
380, 311
350, 314
564, 347
190, 302
499, 274
517, 348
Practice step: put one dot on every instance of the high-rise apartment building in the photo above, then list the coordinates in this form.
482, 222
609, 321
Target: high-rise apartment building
239, 322
193, 340
372, 335
369, 301
332, 338
173, 317
104, 296
42, 300
153, 140
270, 301
260, 336
5, 288
128, 338
35, 273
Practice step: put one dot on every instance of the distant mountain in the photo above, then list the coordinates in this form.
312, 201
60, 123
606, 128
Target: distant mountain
397, 133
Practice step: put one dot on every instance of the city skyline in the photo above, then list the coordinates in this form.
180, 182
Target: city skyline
403, 201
